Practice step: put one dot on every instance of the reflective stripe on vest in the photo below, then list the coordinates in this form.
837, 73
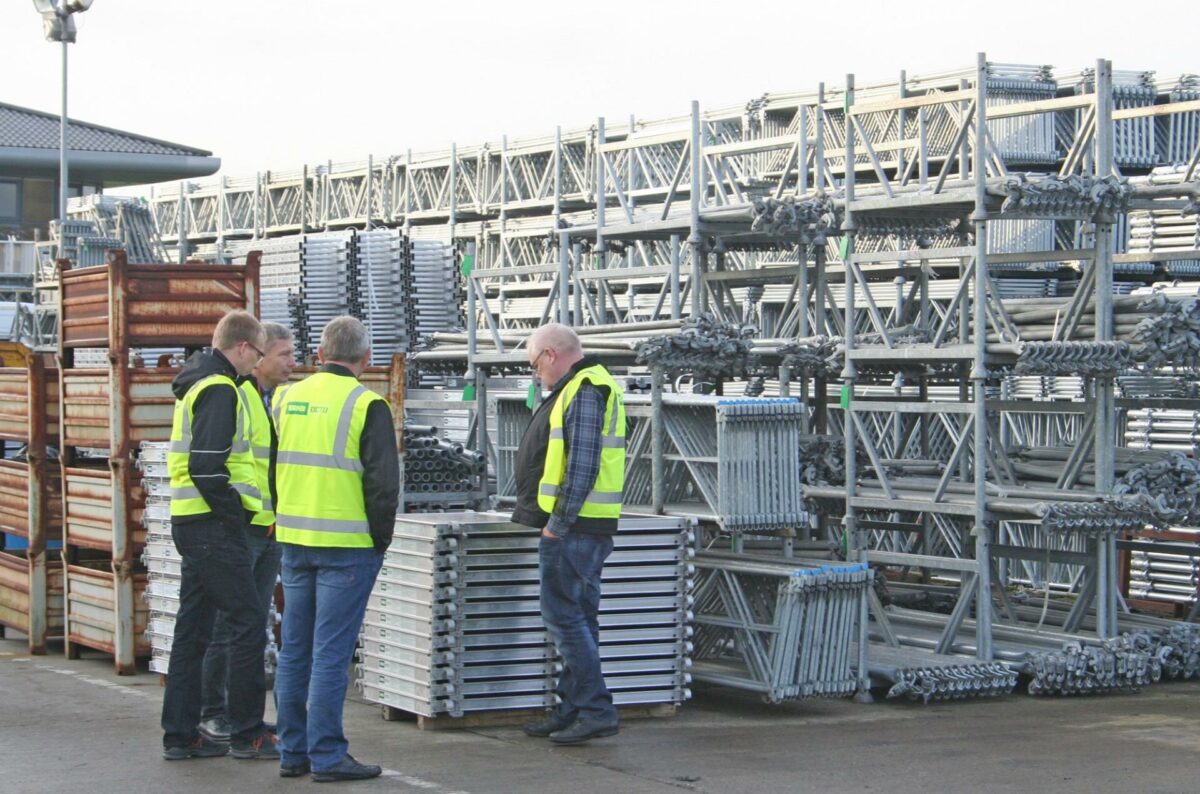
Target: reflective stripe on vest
318, 473
243, 475
260, 449
605, 498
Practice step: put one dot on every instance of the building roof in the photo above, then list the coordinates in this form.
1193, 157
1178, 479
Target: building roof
98, 155
33, 129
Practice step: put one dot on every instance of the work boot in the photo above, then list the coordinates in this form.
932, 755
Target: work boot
347, 769
199, 747
548, 725
260, 748
295, 770
216, 729
583, 729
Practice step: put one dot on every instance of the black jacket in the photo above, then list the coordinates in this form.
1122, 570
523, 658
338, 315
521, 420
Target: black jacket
381, 467
214, 422
530, 461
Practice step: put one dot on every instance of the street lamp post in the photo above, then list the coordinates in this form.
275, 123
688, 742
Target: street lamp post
58, 25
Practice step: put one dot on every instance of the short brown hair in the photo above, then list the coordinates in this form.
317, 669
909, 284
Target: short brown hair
235, 327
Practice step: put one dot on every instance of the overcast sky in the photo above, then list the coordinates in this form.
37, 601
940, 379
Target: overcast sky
273, 84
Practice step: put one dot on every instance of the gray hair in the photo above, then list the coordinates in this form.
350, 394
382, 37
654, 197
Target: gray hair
345, 339
557, 336
277, 332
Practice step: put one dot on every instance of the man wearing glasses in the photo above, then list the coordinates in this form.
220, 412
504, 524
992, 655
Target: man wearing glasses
215, 493
570, 474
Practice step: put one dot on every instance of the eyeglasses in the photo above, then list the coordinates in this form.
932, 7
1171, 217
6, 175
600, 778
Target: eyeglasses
533, 365
261, 354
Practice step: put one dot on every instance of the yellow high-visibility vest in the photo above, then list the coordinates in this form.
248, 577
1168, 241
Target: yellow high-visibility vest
260, 448
318, 473
185, 497
604, 501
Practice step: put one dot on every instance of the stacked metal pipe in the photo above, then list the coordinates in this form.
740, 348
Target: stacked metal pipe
163, 563
453, 623
439, 475
784, 628
1166, 575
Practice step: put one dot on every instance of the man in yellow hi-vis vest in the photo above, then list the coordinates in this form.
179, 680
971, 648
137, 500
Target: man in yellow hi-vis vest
271, 372
570, 474
338, 477
215, 492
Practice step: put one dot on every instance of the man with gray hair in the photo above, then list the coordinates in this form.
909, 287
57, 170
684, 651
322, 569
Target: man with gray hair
272, 370
338, 477
570, 475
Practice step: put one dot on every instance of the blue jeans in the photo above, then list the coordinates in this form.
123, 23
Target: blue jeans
325, 594
570, 600
216, 576
264, 559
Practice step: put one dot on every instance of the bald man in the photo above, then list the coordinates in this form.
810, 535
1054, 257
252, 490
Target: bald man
570, 473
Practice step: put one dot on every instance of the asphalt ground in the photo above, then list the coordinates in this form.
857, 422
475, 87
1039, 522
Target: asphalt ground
74, 726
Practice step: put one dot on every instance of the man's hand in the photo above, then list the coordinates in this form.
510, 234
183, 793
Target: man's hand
546, 533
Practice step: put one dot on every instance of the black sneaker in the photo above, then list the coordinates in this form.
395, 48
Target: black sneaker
295, 770
347, 769
261, 748
199, 747
216, 729
583, 729
548, 725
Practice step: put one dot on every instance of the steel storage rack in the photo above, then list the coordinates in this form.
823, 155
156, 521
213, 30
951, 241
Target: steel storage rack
856, 226
107, 412
31, 583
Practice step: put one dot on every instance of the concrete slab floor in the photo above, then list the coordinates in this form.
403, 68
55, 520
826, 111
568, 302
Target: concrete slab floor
74, 726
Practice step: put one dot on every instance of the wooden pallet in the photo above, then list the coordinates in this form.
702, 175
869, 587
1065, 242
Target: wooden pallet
497, 719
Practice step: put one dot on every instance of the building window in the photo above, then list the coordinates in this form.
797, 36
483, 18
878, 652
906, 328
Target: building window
10, 200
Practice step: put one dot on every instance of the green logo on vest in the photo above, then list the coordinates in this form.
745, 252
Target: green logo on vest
299, 409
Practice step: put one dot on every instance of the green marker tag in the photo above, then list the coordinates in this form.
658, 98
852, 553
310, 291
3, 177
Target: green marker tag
845, 401
468, 264
469, 393
844, 248
531, 397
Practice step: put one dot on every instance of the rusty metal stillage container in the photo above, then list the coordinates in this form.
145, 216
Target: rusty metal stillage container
124, 307
30, 505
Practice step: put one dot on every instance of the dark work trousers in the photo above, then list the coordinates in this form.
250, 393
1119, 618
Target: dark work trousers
264, 558
217, 575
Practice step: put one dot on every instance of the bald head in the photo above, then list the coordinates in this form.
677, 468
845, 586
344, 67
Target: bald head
553, 349
557, 336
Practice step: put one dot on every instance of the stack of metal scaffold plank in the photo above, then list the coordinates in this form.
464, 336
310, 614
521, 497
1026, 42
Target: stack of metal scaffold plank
163, 564
453, 624
378, 279
437, 293
280, 283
